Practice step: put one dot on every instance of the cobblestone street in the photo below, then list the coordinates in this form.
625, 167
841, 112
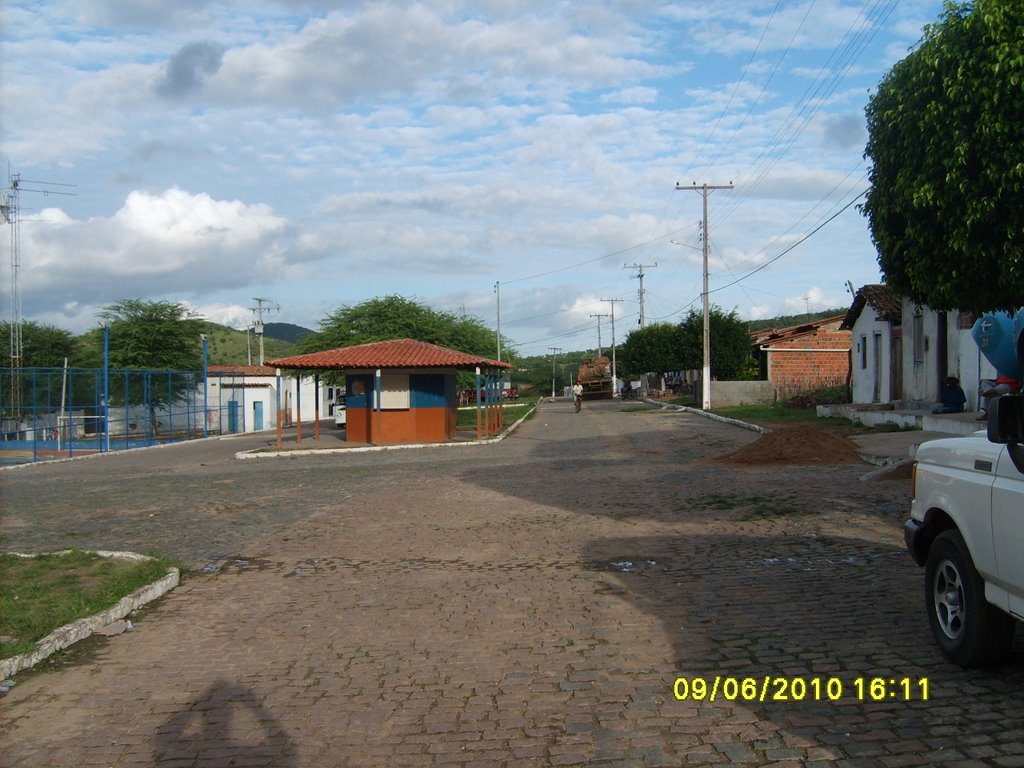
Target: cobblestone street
534, 602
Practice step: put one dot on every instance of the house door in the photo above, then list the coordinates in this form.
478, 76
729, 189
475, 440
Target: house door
257, 416
232, 416
876, 364
895, 366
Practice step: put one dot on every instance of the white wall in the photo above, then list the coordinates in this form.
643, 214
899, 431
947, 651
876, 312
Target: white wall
866, 357
922, 379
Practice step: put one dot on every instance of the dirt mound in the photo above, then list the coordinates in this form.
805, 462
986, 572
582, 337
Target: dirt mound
800, 444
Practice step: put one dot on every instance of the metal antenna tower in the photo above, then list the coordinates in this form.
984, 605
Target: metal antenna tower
262, 305
10, 213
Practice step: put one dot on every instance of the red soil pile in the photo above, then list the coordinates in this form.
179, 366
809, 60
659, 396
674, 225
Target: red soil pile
799, 444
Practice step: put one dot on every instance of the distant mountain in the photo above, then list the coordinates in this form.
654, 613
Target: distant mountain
286, 332
230, 347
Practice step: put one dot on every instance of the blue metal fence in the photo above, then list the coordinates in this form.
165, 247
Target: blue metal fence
48, 413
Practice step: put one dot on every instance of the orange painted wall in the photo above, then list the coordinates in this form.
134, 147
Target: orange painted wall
408, 426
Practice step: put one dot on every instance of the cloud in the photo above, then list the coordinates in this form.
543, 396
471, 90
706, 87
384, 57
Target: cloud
169, 243
189, 68
845, 131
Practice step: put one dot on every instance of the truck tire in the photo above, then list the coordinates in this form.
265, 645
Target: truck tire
970, 631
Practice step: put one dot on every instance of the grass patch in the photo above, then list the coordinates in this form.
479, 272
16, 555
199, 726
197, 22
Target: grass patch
40, 594
466, 418
773, 412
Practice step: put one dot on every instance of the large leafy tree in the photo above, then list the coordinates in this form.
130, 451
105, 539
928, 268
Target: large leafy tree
42, 345
731, 348
396, 317
157, 335
946, 203
654, 348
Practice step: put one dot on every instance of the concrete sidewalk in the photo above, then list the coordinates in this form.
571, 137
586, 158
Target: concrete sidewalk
882, 448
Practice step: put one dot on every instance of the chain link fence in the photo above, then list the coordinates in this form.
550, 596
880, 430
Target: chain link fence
50, 413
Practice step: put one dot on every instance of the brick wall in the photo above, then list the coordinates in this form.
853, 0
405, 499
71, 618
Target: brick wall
810, 361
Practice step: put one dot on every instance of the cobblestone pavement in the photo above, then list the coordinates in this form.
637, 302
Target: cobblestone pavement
527, 603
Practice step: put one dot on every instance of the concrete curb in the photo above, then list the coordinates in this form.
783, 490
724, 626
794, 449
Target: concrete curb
706, 415
258, 454
71, 633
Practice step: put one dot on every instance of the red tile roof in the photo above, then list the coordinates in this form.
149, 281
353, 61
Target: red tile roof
887, 305
768, 336
241, 370
396, 353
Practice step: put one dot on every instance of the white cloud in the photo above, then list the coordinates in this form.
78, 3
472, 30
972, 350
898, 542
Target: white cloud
156, 244
329, 151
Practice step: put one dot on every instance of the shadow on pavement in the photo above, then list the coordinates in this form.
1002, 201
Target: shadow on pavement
226, 720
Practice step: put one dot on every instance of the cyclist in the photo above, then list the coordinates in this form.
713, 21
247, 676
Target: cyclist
577, 395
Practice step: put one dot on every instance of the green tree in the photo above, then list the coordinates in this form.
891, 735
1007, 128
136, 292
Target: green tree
396, 317
153, 334
946, 203
654, 348
42, 345
731, 349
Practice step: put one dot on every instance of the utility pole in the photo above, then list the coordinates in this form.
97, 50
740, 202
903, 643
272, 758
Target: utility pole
554, 357
599, 331
640, 274
614, 373
258, 311
705, 386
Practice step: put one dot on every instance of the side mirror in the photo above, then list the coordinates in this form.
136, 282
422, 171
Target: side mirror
1006, 419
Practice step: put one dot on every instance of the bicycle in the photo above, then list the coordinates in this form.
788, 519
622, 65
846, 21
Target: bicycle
579, 403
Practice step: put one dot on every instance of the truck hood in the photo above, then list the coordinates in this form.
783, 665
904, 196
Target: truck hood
961, 452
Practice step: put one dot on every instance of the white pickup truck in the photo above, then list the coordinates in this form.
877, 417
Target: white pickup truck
967, 529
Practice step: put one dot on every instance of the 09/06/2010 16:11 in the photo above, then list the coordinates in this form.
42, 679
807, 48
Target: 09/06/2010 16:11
783, 688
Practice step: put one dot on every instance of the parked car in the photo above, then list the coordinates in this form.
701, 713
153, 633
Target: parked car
966, 528
340, 414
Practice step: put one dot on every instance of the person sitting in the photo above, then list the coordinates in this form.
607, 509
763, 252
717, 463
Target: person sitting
997, 387
952, 397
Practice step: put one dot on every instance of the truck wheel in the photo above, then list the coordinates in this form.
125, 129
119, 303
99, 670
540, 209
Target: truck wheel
969, 630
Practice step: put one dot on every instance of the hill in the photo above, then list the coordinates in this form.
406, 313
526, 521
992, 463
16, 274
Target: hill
285, 332
226, 346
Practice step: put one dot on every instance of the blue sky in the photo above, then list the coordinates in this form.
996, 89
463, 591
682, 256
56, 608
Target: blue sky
323, 153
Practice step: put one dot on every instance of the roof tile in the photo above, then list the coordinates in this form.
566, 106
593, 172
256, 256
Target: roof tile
395, 353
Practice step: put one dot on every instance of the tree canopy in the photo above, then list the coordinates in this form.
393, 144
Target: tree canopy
158, 335
729, 340
396, 317
666, 347
946, 203
42, 345
656, 347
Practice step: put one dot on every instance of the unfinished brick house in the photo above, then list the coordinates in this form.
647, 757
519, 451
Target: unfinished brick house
811, 356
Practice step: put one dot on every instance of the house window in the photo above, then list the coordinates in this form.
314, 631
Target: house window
919, 345
863, 352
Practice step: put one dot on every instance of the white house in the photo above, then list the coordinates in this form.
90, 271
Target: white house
903, 352
245, 398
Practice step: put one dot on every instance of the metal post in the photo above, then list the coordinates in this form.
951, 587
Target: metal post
497, 291
478, 406
206, 388
106, 389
